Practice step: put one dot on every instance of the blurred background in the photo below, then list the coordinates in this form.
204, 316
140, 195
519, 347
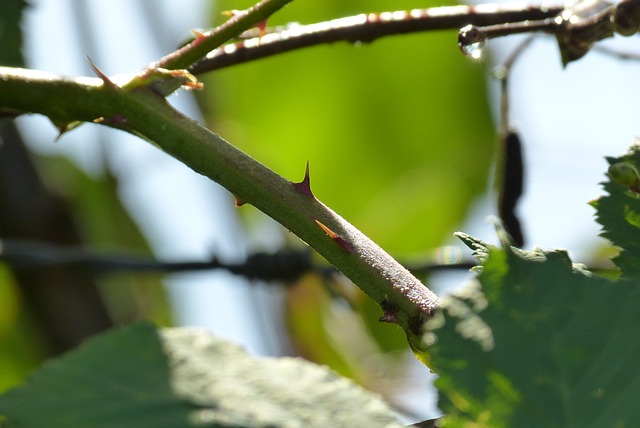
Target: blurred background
400, 135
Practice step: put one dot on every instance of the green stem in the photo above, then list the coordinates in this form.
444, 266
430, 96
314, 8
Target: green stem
208, 41
141, 111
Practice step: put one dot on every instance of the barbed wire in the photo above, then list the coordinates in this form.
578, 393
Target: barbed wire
285, 265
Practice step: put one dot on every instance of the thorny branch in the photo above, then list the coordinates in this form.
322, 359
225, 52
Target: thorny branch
576, 29
368, 27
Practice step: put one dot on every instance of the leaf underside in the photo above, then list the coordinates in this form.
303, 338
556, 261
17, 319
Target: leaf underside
142, 377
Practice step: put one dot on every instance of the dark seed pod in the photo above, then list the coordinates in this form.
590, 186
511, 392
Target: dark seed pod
626, 17
511, 186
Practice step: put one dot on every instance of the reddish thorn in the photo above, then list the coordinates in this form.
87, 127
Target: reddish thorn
304, 186
262, 26
328, 231
337, 238
105, 79
239, 202
199, 36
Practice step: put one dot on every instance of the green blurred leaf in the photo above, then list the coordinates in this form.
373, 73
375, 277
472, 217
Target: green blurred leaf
619, 214
537, 342
106, 225
119, 379
11, 33
308, 305
22, 349
365, 352
397, 132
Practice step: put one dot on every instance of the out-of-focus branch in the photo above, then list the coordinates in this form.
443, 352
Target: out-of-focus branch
368, 27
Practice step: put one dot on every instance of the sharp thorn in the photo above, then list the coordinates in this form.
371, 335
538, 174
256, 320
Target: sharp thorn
304, 186
328, 231
65, 127
199, 36
337, 238
105, 79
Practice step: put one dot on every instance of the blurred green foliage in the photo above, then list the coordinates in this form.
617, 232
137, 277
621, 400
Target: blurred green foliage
397, 132
106, 226
11, 32
20, 349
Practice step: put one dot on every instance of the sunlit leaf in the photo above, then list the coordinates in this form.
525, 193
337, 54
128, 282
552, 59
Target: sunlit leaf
538, 342
619, 211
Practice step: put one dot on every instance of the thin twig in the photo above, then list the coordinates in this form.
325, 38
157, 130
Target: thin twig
367, 27
205, 42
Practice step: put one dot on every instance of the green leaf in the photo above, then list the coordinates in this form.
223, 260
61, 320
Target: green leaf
234, 389
619, 212
538, 342
119, 379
